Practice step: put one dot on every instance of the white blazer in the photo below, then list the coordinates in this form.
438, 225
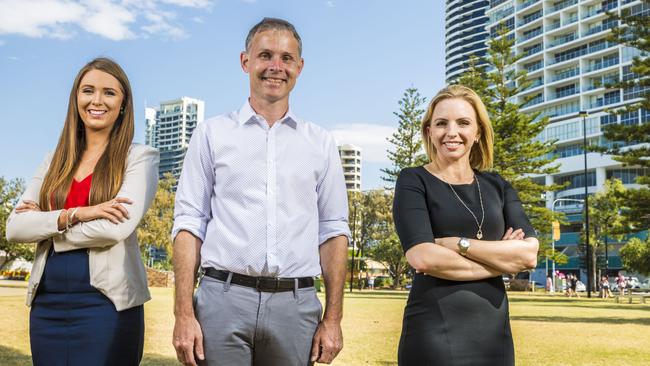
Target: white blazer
115, 264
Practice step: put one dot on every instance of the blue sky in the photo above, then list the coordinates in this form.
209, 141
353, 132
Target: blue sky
360, 56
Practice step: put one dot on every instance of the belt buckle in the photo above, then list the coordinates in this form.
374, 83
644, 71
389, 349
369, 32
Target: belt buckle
259, 281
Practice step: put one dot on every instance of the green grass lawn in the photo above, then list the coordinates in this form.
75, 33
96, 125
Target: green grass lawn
547, 330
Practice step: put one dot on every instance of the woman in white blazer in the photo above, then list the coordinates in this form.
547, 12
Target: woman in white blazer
88, 284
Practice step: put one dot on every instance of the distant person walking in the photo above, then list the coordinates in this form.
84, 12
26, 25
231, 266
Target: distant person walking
371, 283
605, 292
621, 283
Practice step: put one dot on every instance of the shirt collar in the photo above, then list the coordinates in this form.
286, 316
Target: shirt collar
246, 114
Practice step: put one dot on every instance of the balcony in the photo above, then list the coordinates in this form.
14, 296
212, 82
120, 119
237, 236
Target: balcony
562, 5
601, 102
566, 74
602, 64
570, 20
534, 67
592, 13
530, 19
552, 26
563, 40
533, 50
565, 93
526, 4
537, 100
532, 34
535, 83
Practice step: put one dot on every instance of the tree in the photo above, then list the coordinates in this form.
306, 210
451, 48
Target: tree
518, 153
407, 145
605, 220
636, 255
156, 225
384, 245
10, 192
634, 31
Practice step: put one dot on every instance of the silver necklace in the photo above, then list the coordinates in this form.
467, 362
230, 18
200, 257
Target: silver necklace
479, 233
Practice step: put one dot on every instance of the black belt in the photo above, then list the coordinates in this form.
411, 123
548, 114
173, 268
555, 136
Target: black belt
262, 284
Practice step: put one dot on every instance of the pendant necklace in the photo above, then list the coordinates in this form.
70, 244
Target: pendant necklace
479, 233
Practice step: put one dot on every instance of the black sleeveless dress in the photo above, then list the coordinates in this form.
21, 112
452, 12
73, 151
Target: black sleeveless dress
453, 323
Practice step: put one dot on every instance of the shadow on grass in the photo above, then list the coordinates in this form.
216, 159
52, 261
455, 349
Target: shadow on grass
387, 363
566, 319
152, 359
13, 357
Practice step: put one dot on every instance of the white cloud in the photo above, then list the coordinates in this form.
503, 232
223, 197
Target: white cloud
197, 20
190, 3
116, 20
13, 58
370, 138
2, 43
38, 18
330, 4
108, 20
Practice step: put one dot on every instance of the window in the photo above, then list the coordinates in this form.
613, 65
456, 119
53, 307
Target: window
577, 180
607, 119
630, 118
645, 115
627, 175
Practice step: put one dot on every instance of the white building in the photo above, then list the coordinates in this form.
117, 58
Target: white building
351, 162
169, 129
465, 34
570, 61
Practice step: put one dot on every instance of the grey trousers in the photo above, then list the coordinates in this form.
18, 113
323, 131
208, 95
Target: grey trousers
242, 326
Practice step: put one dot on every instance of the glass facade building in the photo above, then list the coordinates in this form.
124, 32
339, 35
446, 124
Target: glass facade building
465, 34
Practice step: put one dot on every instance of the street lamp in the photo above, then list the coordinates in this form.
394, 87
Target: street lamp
584, 115
553, 239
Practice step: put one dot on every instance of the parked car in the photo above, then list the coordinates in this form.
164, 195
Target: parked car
645, 285
633, 282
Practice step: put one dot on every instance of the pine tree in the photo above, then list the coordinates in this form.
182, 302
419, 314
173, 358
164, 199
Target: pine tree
634, 31
407, 143
518, 154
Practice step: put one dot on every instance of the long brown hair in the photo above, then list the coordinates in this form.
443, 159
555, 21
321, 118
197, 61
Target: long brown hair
109, 170
481, 155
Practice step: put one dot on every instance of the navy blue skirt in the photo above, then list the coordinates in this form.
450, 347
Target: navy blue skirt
72, 323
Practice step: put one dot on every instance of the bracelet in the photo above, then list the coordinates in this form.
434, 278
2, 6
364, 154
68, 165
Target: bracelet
67, 220
74, 211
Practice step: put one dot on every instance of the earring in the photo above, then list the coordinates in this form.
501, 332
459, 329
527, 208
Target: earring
122, 110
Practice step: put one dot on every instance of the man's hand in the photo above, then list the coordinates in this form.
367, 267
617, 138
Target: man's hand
328, 341
188, 340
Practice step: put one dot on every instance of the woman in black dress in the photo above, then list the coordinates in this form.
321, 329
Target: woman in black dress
461, 228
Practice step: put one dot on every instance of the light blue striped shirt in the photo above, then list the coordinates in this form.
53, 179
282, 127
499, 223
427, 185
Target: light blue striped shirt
262, 199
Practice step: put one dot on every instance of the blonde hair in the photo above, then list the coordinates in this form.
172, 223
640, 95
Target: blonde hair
109, 170
482, 154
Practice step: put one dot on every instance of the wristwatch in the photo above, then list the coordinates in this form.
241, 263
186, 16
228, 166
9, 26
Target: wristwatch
463, 246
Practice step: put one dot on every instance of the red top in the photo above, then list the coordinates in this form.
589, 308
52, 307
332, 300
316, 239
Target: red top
79, 193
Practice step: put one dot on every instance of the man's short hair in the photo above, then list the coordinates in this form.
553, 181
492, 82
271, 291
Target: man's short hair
273, 24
